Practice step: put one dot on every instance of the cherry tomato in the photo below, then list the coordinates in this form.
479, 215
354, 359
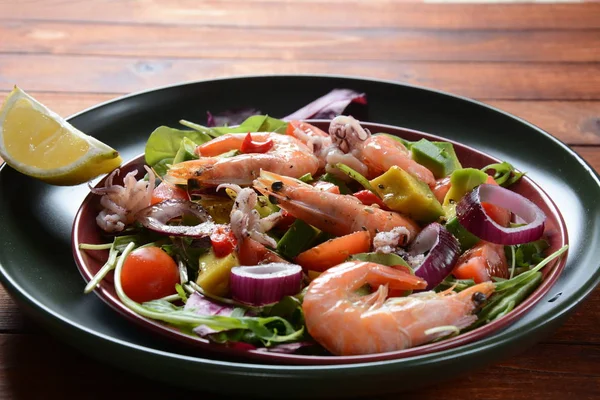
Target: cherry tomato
166, 191
149, 274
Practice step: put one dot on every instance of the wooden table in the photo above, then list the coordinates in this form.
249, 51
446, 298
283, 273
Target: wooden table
538, 61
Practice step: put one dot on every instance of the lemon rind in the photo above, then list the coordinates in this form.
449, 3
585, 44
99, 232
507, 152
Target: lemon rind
104, 157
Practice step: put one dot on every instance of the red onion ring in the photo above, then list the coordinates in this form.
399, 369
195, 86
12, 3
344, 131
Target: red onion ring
157, 216
473, 217
444, 250
265, 284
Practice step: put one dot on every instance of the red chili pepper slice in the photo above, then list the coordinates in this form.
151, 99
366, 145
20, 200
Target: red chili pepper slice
223, 241
369, 198
250, 146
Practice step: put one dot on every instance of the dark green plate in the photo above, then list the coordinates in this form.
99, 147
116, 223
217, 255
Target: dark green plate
37, 268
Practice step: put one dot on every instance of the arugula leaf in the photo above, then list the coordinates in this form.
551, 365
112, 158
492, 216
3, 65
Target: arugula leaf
515, 281
504, 173
528, 254
457, 284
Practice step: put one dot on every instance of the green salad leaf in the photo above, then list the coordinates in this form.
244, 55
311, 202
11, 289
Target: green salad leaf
389, 259
255, 123
530, 253
165, 143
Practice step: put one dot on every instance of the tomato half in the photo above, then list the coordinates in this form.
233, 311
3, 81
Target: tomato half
149, 274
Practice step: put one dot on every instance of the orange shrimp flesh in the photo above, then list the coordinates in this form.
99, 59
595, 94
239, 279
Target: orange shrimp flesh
346, 323
381, 152
333, 213
288, 156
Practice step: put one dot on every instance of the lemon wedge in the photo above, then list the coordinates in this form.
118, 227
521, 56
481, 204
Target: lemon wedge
39, 143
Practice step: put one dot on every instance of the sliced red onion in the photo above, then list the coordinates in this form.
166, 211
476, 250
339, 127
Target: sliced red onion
441, 250
330, 105
472, 216
265, 284
156, 218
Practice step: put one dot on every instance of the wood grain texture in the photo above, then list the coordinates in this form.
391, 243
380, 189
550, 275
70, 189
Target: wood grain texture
573, 122
75, 38
311, 14
76, 376
103, 74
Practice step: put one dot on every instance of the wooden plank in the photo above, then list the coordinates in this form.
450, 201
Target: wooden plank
11, 318
312, 14
589, 154
573, 122
531, 375
523, 81
319, 44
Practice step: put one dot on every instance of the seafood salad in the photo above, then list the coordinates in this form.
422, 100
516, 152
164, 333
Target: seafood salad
280, 236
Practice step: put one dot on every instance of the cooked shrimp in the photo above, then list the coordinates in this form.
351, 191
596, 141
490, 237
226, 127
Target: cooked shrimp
317, 140
330, 212
287, 156
346, 323
379, 153
328, 153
